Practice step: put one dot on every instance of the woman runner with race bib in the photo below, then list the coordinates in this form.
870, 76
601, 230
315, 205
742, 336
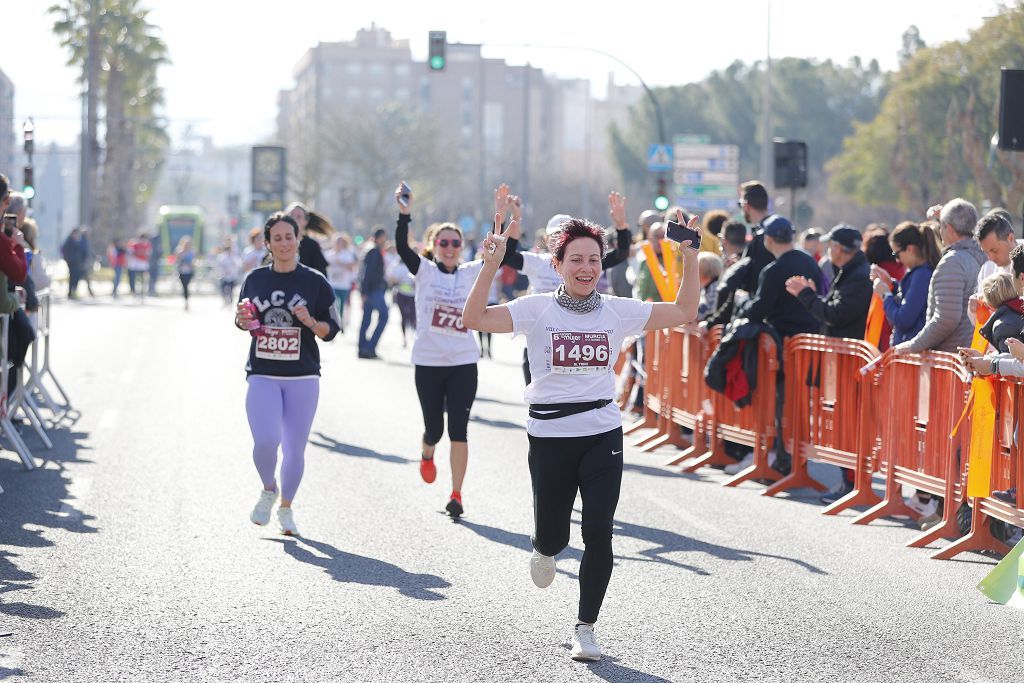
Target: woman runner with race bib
444, 352
573, 336
285, 306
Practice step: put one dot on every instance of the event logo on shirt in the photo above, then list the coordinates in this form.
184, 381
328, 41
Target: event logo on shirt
281, 314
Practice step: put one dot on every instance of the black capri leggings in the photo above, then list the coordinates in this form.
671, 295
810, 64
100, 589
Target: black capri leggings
452, 387
593, 465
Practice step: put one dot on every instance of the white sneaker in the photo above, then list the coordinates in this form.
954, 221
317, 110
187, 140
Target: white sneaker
921, 508
743, 464
286, 520
584, 645
542, 569
261, 513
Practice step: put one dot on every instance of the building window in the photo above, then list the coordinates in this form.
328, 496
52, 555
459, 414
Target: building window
354, 93
375, 69
354, 68
401, 69
401, 93
494, 126
376, 94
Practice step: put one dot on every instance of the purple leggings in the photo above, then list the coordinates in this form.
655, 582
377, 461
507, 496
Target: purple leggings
281, 413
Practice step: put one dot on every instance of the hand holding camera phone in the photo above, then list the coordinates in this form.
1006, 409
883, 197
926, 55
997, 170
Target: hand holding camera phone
10, 223
679, 233
404, 194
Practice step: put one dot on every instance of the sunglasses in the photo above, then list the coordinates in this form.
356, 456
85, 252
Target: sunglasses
444, 243
899, 251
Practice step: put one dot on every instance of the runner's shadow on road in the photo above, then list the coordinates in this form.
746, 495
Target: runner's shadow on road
666, 542
350, 568
336, 446
500, 424
518, 541
608, 669
485, 399
653, 471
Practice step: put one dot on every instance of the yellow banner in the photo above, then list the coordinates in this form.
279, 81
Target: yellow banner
673, 264
983, 420
660, 280
876, 321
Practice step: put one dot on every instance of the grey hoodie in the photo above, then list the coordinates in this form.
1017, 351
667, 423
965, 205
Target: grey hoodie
953, 282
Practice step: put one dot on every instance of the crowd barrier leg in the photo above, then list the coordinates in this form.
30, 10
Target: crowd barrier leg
948, 527
67, 409
670, 432
22, 403
980, 538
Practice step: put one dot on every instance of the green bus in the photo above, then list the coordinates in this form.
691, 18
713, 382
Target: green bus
176, 222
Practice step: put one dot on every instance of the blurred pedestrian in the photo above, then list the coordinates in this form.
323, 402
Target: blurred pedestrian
138, 263
255, 252
117, 257
372, 286
184, 263
311, 223
156, 256
342, 269
229, 270
71, 252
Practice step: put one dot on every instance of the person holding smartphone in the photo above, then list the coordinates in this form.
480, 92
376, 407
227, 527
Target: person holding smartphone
573, 336
286, 306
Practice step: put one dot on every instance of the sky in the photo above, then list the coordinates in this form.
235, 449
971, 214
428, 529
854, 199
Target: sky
230, 58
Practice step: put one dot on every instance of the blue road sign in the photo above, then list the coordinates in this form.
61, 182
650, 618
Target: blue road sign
659, 158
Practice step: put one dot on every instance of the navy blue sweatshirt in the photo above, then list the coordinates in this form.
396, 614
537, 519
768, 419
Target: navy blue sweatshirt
293, 351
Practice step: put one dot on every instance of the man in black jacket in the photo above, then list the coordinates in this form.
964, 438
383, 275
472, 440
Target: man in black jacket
844, 310
372, 286
771, 303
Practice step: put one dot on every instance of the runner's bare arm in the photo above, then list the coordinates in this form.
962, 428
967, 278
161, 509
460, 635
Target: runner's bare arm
684, 309
477, 315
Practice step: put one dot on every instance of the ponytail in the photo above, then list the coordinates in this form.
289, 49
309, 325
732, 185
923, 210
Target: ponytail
922, 236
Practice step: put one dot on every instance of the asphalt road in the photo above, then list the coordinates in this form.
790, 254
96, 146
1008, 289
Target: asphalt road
129, 555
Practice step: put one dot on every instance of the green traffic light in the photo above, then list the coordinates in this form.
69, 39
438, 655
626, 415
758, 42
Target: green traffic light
661, 202
437, 62
29, 192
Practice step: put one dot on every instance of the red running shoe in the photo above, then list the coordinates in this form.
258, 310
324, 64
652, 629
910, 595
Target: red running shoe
427, 470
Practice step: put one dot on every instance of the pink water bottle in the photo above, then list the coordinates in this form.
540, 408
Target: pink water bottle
254, 326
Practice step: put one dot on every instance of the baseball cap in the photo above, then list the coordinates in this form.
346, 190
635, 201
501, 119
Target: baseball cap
555, 224
649, 218
845, 235
779, 227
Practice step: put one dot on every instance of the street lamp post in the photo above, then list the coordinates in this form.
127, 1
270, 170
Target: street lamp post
29, 129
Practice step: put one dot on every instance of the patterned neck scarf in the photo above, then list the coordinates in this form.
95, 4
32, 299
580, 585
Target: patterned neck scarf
577, 305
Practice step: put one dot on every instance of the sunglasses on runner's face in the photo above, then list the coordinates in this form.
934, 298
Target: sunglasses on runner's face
444, 243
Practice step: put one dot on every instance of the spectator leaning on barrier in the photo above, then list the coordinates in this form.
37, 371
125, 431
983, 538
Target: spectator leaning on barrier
947, 326
917, 248
1010, 364
709, 269
1007, 321
994, 233
844, 310
12, 256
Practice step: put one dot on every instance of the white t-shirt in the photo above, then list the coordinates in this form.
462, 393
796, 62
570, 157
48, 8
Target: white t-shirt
341, 267
441, 338
571, 356
543, 276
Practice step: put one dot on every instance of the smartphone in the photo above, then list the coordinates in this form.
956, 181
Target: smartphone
10, 223
677, 232
404, 191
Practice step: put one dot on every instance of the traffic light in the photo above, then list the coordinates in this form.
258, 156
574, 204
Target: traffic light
661, 198
438, 41
30, 188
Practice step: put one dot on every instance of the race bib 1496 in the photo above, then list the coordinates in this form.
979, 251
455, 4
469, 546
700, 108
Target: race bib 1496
580, 352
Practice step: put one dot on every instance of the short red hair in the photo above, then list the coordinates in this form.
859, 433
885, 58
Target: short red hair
573, 229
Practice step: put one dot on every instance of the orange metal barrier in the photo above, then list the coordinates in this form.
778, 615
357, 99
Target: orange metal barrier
1006, 473
752, 425
665, 390
653, 377
829, 411
924, 396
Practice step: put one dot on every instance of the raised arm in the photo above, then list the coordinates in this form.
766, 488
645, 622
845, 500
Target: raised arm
508, 204
684, 309
623, 236
409, 257
477, 315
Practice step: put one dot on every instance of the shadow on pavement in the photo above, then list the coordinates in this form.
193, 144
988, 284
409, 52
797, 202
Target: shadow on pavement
485, 399
500, 424
670, 542
32, 502
520, 542
332, 444
350, 568
653, 471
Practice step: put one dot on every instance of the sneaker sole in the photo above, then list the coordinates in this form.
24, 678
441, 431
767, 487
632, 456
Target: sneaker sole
586, 658
454, 509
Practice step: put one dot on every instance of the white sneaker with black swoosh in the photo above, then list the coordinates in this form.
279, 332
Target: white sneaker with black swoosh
542, 569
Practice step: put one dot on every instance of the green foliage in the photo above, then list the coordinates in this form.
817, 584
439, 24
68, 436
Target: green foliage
817, 102
931, 138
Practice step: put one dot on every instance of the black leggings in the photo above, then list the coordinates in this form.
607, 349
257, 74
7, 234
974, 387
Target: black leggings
452, 387
185, 278
560, 466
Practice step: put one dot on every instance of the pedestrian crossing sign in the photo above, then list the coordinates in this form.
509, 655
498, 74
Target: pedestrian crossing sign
659, 158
